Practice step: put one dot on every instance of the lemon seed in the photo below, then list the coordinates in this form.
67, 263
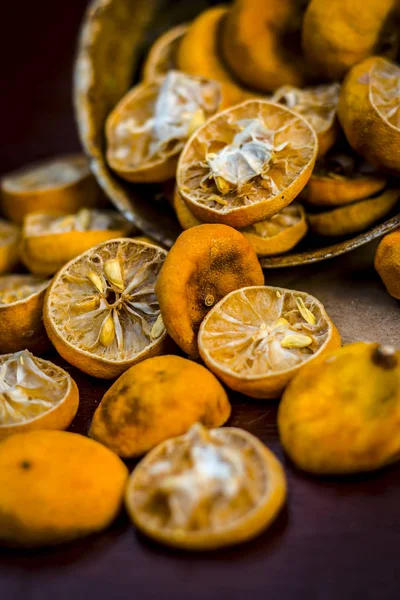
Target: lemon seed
297, 340
96, 280
107, 332
305, 312
112, 269
158, 328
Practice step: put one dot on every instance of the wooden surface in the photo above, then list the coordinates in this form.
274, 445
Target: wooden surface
337, 538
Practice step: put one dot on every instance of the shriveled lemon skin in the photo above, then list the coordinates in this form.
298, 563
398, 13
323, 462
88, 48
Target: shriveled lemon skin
338, 34
205, 263
56, 487
387, 262
157, 399
341, 414
325, 191
366, 130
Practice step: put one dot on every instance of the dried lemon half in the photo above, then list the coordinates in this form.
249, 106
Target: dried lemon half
148, 129
318, 105
55, 487
63, 184
198, 54
260, 42
387, 262
342, 414
355, 217
34, 394
21, 306
9, 242
246, 163
101, 312
206, 489
162, 56
49, 241
257, 338
369, 111
342, 179
338, 34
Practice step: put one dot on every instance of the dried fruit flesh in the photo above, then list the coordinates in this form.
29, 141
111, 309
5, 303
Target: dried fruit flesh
21, 306
257, 338
205, 263
355, 217
101, 312
63, 184
339, 34
260, 43
342, 179
56, 487
9, 242
369, 111
246, 163
162, 56
206, 489
34, 394
49, 241
342, 414
158, 399
387, 262
318, 105
198, 54
148, 129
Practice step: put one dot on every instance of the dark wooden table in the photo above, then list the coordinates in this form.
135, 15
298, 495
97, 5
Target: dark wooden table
336, 540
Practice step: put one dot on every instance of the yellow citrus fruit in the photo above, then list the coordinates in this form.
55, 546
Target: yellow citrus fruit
318, 105
257, 338
260, 43
338, 34
21, 306
369, 111
148, 129
9, 246
355, 217
56, 487
341, 179
342, 414
205, 263
63, 184
198, 54
246, 163
49, 241
387, 262
206, 489
162, 56
156, 400
101, 311
34, 394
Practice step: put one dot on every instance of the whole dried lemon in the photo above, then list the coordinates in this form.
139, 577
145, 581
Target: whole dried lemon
155, 400
341, 414
56, 487
205, 263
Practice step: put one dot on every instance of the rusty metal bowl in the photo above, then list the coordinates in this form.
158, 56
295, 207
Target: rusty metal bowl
114, 38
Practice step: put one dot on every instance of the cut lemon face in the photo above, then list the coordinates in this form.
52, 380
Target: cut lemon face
34, 394
9, 243
63, 184
148, 129
341, 179
21, 306
339, 34
246, 163
162, 56
318, 105
257, 338
198, 54
260, 42
355, 217
206, 489
369, 111
101, 312
205, 263
49, 241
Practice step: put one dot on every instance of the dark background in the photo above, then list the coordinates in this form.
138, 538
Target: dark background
336, 540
